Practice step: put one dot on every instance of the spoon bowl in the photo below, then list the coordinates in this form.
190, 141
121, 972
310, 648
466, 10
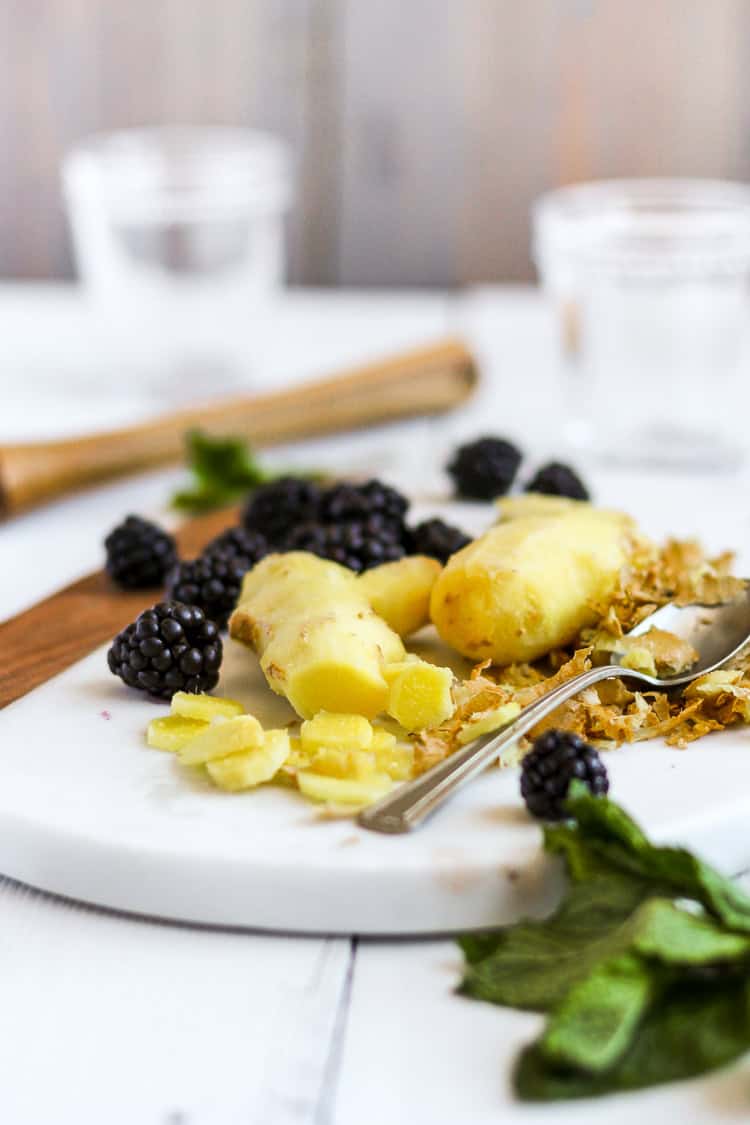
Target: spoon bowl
716, 632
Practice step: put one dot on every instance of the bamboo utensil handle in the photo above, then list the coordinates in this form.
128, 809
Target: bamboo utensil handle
425, 381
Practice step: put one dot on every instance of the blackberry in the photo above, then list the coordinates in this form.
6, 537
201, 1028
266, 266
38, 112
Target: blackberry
484, 468
171, 647
212, 582
436, 538
556, 758
358, 545
555, 479
355, 503
275, 509
240, 542
139, 554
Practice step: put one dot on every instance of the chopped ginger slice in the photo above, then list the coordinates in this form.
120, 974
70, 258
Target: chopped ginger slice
419, 694
398, 762
172, 732
488, 722
336, 732
343, 791
205, 707
333, 762
251, 768
231, 736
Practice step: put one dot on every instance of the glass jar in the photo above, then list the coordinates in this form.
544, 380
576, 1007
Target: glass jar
650, 282
178, 236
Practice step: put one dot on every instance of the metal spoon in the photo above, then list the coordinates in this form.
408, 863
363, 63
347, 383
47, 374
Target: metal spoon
717, 633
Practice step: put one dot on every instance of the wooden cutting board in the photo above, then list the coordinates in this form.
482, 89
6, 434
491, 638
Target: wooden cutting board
55, 633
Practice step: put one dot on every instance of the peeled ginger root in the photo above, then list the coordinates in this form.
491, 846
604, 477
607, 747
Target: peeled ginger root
530, 584
319, 640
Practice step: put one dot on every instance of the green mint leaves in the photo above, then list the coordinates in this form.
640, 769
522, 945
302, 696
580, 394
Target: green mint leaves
643, 969
223, 471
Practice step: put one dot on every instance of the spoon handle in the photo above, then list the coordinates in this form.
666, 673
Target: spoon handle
410, 805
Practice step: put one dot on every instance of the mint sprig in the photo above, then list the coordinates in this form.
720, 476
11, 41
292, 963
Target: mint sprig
643, 969
223, 471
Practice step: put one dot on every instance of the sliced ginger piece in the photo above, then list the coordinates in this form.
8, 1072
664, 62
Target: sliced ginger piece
393, 757
419, 695
250, 768
204, 707
229, 736
488, 722
299, 758
382, 741
336, 731
343, 791
336, 762
172, 732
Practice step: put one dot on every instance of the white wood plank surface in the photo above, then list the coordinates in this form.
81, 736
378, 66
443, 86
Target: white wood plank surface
118, 1020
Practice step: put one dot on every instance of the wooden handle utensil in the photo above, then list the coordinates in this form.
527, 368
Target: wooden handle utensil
429, 380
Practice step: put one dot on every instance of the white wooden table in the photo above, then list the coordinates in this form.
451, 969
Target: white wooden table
112, 1019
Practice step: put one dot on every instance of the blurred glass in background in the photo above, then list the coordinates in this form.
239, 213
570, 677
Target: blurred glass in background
179, 237
650, 282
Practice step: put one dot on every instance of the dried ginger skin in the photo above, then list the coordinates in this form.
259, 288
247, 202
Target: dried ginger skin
613, 712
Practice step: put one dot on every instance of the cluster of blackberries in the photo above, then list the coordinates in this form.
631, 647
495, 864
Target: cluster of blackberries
486, 468
357, 525
175, 646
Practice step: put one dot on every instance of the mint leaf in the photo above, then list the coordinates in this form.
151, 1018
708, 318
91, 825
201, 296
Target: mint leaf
533, 964
224, 469
644, 968
618, 841
226, 461
695, 1027
595, 1024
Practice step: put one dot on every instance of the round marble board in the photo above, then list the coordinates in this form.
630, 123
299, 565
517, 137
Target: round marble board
88, 811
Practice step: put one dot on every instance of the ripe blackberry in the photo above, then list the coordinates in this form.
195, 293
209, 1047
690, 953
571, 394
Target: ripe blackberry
171, 647
484, 468
555, 479
556, 758
355, 503
436, 538
274, 509
212, 582
356, 545
240, 542
139, 554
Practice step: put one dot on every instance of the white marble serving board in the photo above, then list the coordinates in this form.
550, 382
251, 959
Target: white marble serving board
88, 811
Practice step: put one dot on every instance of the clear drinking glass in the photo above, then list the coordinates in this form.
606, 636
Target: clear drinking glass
650, 281
178, 235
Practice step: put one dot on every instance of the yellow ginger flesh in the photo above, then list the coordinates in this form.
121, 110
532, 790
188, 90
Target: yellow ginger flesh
250, 768
420, 694
320, 643
530, 584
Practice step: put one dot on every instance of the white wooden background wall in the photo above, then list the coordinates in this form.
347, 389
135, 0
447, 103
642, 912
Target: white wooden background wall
424, 128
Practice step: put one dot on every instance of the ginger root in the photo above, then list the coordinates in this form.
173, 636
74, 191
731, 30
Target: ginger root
320, 642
